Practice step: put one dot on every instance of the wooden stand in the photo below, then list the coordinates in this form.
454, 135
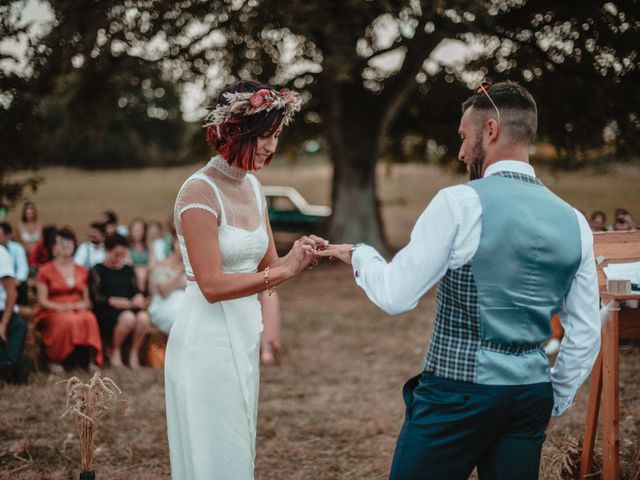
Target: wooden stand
621, 325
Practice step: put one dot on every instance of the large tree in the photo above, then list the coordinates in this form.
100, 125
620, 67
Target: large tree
374, 71
16, 153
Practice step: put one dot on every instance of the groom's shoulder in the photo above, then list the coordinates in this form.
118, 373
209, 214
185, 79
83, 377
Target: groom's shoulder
459, 193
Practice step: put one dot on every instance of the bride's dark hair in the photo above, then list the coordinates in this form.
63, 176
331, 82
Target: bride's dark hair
235, 140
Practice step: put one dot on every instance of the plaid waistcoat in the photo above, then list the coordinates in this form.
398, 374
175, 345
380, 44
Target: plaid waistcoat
470, 337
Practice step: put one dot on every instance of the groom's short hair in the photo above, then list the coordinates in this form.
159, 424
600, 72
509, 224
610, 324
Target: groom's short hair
518, 109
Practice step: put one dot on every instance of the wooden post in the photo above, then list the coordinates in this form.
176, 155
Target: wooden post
591, 423
610, 396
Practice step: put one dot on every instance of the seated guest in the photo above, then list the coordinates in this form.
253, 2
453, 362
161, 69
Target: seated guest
30, 231
155, 242
20, 263
64, 308
270, 342
110, 221
118, 303
43, 252
170, 235
92, 252
623, 220
139, 254
166, 285
598, 221
14, 365
557, 332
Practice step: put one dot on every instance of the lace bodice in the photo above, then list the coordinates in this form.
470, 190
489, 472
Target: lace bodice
235, 201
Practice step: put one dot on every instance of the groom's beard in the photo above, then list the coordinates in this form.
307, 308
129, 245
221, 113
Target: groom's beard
477, 160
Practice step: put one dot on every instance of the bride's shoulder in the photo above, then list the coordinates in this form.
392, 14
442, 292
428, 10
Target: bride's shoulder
252, 178
254, 181
197, 180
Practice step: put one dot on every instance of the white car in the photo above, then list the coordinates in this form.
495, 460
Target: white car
290, 212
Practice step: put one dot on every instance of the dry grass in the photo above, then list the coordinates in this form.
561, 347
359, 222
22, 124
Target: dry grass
333, 407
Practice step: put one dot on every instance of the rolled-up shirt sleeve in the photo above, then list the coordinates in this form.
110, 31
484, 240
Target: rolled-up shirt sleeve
580, 318
397, 286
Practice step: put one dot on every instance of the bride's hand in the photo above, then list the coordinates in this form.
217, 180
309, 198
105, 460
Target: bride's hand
318, 243
302, 255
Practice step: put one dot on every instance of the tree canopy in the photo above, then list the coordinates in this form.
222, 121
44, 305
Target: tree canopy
378, 77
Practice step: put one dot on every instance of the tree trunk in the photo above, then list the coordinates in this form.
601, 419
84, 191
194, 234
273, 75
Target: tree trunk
356, 137
354, 153
356, 210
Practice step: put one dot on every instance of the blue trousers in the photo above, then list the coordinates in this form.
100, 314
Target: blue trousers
450, 427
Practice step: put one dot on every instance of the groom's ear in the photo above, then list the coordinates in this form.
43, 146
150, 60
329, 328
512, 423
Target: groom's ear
492, 129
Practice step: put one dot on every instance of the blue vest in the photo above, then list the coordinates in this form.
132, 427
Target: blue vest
493, 314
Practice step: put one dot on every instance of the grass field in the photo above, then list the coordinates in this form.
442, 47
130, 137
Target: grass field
332, 408
75, 198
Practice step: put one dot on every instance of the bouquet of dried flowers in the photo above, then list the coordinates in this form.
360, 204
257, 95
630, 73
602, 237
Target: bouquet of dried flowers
88, 402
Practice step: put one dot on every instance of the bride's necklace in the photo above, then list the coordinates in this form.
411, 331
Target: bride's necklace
227, 170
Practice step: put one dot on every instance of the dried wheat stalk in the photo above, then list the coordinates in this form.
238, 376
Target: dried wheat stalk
564, 463
88, 402
636, 469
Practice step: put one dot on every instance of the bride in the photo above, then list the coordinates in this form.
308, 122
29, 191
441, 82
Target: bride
211, 370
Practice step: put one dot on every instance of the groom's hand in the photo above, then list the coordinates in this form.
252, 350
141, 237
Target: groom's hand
340, 252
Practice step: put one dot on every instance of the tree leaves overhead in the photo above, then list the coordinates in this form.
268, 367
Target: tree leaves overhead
353, 43
377, 76
581, 65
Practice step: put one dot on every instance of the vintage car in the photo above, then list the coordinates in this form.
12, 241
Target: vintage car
290, 212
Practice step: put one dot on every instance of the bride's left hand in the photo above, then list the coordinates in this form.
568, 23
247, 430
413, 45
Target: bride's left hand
316, 243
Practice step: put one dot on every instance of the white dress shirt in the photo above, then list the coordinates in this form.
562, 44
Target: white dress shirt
447, 236
6, 270
20, 263
89, 254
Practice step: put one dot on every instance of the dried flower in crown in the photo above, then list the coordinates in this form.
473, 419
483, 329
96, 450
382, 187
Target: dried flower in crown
250, 103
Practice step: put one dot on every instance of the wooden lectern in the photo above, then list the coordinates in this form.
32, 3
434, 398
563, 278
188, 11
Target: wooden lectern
610, 247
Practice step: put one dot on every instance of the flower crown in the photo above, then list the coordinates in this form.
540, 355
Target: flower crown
251, 103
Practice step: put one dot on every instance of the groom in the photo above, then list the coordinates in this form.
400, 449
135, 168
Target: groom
508, 254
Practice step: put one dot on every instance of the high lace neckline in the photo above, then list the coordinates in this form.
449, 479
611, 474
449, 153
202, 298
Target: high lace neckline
221, 165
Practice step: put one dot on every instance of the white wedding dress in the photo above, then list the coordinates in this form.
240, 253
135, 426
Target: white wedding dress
212, 358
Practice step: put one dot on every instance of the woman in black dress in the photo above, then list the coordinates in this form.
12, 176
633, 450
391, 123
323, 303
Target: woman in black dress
118, 304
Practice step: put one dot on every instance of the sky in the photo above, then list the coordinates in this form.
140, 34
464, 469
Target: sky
41, 17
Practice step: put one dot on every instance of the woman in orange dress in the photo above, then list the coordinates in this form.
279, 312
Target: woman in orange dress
64, 313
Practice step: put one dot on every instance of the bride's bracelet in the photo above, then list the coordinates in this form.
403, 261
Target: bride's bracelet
268, 289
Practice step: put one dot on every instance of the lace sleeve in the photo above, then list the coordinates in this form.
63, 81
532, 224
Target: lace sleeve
263, 199
195, 193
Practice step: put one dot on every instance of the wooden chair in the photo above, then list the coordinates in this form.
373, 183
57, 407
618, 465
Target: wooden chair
610, 247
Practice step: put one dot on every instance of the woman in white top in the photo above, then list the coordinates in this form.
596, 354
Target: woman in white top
212, 360
167, 282
29, 229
